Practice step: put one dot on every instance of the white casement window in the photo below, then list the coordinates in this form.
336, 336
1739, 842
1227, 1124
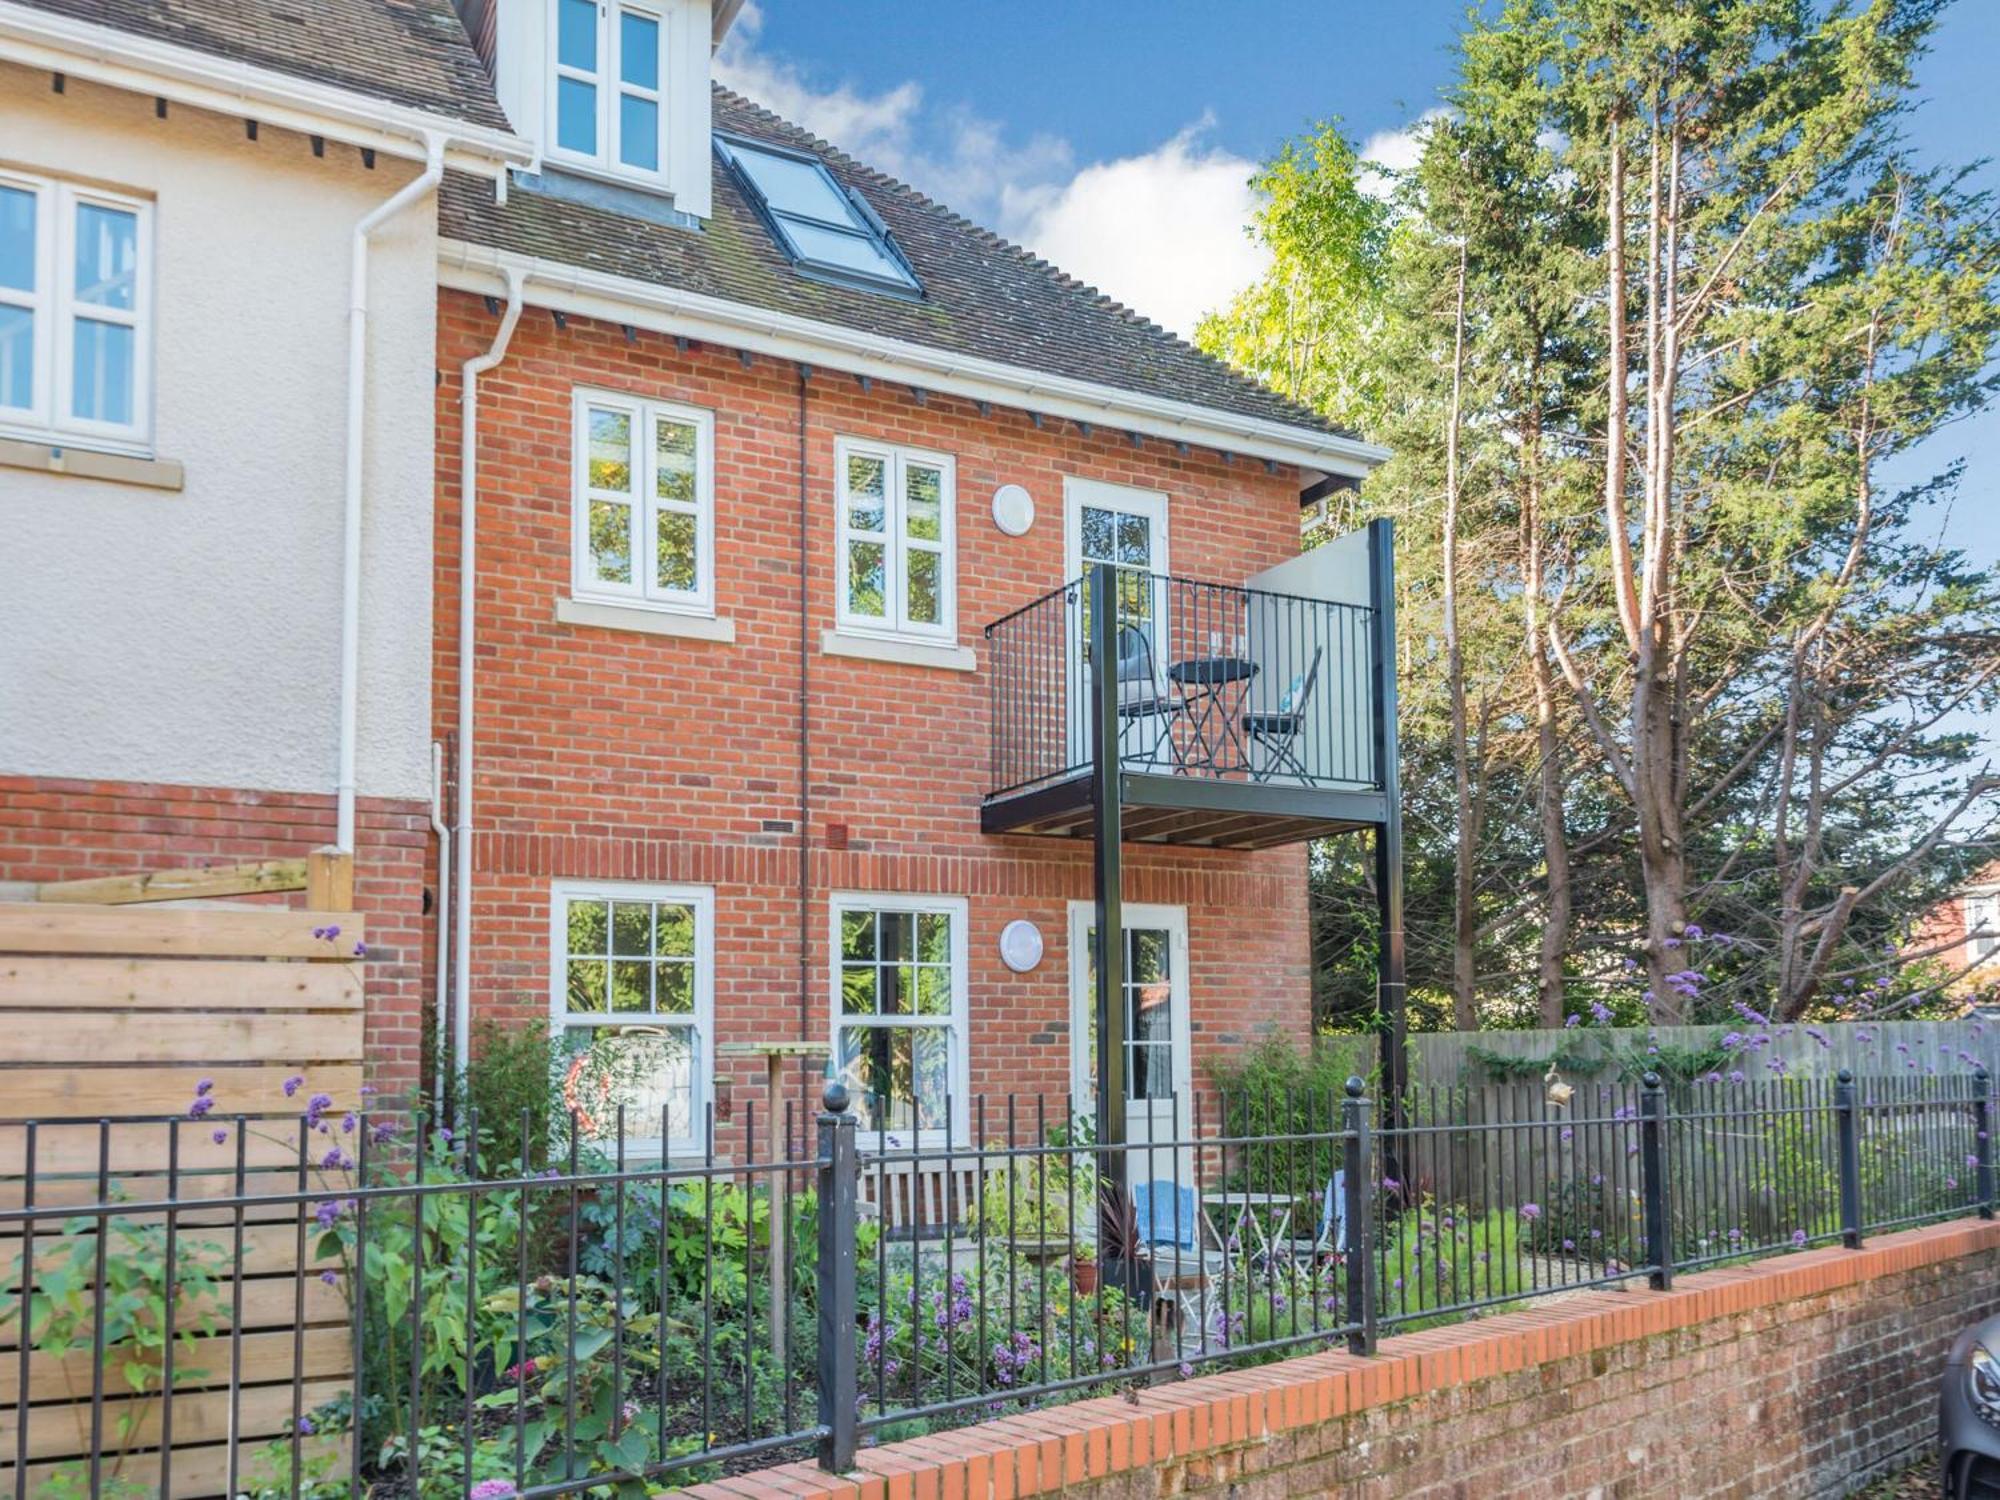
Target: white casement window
607, 94
1982, 926
75, 313
632, 996
897, 564
898, 1004
644, 519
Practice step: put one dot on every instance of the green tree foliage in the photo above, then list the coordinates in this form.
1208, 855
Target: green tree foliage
1649, 326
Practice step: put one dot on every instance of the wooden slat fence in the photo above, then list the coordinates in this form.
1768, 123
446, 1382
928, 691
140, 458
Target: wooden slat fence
111, 1014
1880, 1048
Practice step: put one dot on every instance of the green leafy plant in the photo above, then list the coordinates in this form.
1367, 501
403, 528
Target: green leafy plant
1036, 1201
66, 1304
1570, 1055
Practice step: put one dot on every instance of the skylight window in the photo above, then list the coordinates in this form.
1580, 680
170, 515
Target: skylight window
821, 226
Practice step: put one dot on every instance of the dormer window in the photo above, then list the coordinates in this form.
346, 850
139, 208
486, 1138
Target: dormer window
608, 101
826, 229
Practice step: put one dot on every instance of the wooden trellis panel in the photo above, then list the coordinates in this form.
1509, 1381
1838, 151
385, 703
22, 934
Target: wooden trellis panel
112, 1014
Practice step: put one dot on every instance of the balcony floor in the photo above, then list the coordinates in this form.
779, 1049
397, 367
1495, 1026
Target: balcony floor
1189, 810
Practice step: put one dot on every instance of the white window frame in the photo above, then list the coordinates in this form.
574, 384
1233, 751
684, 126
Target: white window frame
839, 904
609, 81
1172, 920
562, 1019
644, 590
894, 623
55, 311
1982, 932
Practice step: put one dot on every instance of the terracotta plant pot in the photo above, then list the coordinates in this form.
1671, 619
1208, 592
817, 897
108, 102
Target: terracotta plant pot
1083, 1275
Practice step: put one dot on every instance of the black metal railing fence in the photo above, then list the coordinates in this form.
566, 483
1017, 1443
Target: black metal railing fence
1213, 681
362, 1305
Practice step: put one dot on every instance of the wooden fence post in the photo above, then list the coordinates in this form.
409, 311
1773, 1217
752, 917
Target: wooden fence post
329, 880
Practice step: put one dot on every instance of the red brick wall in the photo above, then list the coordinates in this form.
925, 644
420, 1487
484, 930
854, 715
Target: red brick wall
1793, 1378
57, 829
613, 754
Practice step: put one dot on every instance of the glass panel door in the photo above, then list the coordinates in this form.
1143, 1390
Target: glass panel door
1105, 523
1157, 1052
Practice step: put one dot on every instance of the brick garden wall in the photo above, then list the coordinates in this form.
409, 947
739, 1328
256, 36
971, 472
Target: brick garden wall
1793, 1378
610, 754
58, 829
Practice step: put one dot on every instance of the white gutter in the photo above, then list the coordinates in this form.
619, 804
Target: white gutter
468, 590
106, 55
357, 404
620, 299
443, 833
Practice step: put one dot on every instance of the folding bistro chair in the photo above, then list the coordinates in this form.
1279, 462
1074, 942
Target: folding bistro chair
1170, 1229
1330, 1239
1275, 734
1145, 697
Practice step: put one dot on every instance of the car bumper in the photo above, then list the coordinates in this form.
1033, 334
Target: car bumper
1969, 1443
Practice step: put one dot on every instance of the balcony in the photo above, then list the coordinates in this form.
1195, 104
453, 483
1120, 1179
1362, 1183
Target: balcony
1244, 716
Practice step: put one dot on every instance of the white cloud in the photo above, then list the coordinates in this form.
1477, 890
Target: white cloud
1389, 151
951, 154
1160, 231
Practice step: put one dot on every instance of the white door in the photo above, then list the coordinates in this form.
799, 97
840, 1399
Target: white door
1126, 527
1158, 1058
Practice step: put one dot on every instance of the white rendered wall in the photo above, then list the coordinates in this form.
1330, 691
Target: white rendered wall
194, 638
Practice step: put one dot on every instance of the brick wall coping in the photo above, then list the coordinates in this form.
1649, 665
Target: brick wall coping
1040, 1452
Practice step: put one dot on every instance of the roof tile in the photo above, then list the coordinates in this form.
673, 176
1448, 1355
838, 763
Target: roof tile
982, 296
409, 52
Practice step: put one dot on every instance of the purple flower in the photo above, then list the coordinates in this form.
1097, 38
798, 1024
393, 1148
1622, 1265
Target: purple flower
331, 1278
491, 1489
305, 1427
200, 1107
1600, 1012
1531, 1211
294, 1084
348, 1123
326, 1211
360, 950
1798, 1239
1573, 1021
221, 1137
203, 1089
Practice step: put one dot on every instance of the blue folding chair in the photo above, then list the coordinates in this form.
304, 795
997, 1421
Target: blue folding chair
1331, 1236
1170, 1229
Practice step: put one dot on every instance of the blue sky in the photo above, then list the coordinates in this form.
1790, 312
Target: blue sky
1114, 136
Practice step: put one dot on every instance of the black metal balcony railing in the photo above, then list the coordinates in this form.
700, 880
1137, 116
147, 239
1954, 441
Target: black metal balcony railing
1213, 681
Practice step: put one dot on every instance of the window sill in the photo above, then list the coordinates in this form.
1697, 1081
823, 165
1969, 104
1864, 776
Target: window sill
592, 614
901, 652
89, 463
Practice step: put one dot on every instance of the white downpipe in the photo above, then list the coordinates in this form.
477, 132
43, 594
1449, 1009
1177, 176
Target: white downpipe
444, 907
350, 552
468, 589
